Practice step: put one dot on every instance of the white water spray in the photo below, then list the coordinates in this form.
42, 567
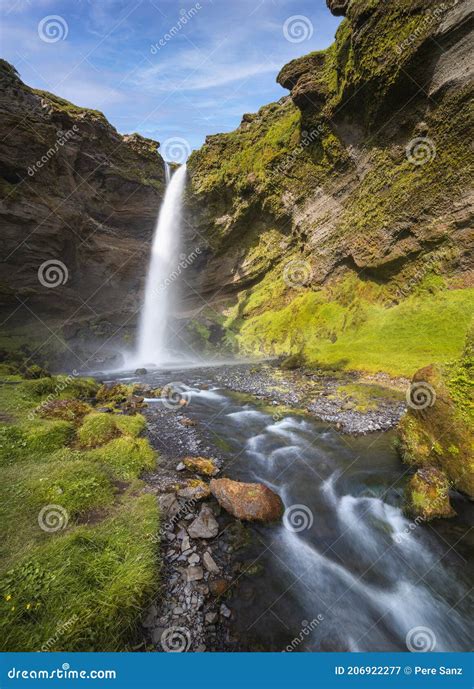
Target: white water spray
158, 301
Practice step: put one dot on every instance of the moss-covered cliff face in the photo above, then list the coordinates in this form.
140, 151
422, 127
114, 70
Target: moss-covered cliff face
436, 437
338, 219
76, 191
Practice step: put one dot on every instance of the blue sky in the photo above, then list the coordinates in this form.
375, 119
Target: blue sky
219, 61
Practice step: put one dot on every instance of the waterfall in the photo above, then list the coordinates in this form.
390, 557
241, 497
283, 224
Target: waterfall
158, 299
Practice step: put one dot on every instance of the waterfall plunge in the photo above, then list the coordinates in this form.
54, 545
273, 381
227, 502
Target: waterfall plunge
159, 287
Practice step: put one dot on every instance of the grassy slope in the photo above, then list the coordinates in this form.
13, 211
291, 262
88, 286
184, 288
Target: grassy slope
95, 575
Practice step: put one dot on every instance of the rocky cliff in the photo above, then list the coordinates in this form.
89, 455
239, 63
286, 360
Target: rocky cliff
76, 193
339, 218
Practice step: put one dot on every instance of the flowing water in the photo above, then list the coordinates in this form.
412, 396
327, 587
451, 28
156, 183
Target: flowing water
158, 302
346, 570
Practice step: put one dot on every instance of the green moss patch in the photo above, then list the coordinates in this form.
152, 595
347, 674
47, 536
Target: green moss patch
126, 456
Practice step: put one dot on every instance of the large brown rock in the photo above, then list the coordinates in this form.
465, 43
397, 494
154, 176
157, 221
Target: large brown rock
248, 501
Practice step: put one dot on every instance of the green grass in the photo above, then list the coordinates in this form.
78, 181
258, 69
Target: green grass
126, 456
363, 335
81, 587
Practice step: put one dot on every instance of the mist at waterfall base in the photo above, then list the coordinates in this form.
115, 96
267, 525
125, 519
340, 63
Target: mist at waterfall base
155, 346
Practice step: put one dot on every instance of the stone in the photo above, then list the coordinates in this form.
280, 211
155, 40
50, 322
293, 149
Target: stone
205, 524
181, 467
194, 559
201, 465
141, 372
194, 573
211, 617
209, 563
247, 501
428, 494
195, 489
185, 543
188, 423
168, 504
225, 611
150, 618
218, 587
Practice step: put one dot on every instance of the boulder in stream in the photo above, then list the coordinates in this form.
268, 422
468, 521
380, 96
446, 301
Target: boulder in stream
248, 501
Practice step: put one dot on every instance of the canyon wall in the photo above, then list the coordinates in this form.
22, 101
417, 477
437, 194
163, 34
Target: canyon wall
339, 219
76, 193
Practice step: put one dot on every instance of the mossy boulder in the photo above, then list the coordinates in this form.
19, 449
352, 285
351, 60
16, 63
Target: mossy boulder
437, 429
67, 410
36, 371
201, 465
97, 429
117, 393
293, 361
427, 494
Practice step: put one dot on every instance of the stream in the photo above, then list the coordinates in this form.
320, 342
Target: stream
346, 570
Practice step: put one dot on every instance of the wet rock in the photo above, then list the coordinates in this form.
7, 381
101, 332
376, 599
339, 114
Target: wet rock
248, 501
218, 587
428, 494
201, 465
209, 563
225, 611
205, 524
188, 423
141, 372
